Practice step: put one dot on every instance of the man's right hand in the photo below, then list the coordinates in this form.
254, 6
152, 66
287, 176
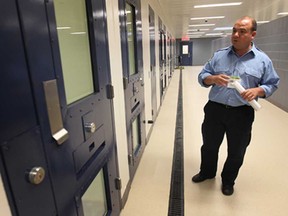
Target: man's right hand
221, 80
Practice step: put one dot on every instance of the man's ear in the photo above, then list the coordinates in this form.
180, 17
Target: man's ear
253, 34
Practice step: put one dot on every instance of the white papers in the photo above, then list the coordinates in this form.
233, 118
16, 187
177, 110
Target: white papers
240, 89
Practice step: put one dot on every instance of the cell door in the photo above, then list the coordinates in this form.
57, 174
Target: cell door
152, 63
131, 47
186, 53
57, 138
161, 59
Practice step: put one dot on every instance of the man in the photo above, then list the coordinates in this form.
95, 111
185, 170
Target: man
227, 111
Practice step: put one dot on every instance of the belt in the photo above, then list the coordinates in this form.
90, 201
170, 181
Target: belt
228, 106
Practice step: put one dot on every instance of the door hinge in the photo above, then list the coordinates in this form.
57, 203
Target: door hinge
118, 183
125, 82
110, 91
130, 159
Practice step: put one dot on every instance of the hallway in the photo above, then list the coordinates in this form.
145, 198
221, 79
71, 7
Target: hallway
260, 189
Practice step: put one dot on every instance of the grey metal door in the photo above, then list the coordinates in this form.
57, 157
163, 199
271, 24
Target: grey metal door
57, 138
131, 45
186, 53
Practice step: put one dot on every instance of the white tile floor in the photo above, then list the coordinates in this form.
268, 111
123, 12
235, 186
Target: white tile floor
261, 188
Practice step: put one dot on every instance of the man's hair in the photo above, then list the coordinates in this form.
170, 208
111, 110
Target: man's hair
253, 21
254, 24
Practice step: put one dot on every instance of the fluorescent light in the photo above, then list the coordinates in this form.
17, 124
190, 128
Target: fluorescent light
282, 13
218, 5
78, 33
196, 25
261, 22
223, 28
63, 27
194, 33
206, 18
214, 34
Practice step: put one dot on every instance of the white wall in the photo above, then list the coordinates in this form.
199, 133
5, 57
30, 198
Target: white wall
117, 81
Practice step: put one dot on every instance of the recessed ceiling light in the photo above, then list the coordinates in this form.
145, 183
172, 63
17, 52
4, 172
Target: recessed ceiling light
193, 33
78, 33
223, 28
196, 25
218, 5
261, 22
206, 18
282, 13
214, 34
63, 27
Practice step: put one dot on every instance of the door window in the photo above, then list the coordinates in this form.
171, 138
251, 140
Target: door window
131, 35
94, 199
72, 28
185, 49
136, 134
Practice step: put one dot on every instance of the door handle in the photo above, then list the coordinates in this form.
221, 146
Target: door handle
59, 133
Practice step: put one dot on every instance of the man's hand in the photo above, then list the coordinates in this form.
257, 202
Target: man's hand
221, 80
252, 93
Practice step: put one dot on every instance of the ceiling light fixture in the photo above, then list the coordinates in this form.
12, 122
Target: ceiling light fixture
214, 34
63, 27
193, 33
282, 13
196, 25
218, 5
206, 18
261, 22
78, 33
223, 28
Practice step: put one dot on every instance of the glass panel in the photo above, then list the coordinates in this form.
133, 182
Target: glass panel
94, 200
185, 49
130, 28
74, 45
136, 136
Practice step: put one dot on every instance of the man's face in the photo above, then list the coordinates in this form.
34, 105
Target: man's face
242, 34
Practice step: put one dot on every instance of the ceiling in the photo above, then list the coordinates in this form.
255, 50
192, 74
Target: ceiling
179, 12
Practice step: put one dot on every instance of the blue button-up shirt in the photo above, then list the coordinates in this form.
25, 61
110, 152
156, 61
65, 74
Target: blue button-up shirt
255, 69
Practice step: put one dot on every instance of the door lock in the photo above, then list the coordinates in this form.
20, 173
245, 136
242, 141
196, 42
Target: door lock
90, 127
36, 175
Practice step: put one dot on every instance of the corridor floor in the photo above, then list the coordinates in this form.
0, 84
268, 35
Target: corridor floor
261, 188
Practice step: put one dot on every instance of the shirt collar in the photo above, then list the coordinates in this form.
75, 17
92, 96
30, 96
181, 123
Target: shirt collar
253, 50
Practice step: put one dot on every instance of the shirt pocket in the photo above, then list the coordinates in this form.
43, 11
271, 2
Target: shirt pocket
222, 70
252, 77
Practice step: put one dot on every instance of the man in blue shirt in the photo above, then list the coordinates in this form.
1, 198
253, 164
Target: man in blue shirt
228, 111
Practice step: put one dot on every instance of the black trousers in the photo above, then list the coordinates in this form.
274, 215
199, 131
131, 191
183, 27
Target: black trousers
236, 123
